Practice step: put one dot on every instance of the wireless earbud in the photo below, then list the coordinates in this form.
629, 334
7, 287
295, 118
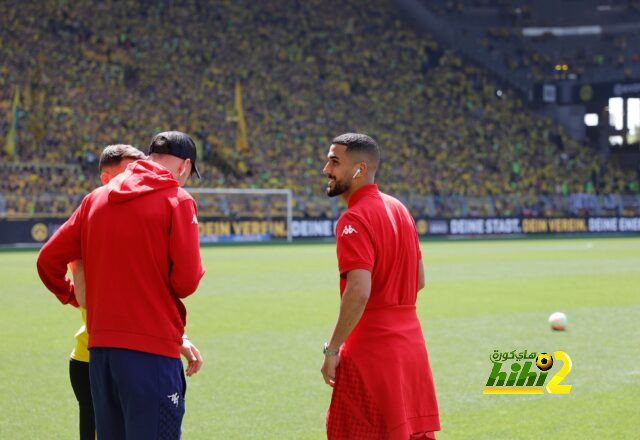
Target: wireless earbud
356, 174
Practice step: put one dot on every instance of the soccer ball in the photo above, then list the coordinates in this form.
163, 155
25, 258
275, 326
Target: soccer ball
544, 361
558, 321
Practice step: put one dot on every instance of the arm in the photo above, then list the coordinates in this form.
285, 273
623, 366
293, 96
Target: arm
79, 285
184, 250
421, 280
192, 355
62, 248
354, 300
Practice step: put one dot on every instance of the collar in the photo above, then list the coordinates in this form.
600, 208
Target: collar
363, 192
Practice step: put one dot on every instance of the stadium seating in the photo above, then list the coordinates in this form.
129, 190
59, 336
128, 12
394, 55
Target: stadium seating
97, 73
495, 29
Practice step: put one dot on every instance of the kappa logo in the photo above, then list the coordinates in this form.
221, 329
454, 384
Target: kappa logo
194, 220
348, 230
175, 398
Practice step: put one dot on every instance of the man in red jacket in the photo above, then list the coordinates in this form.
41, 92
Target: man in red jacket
138, 239
376, 359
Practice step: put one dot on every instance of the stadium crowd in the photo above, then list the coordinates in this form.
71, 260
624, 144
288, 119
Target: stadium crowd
93, 73
496, 28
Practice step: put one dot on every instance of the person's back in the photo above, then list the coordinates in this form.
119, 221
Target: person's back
135, 301
394, 279
138, 239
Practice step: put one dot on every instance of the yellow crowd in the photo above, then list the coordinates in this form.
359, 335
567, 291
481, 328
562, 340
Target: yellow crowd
93, 74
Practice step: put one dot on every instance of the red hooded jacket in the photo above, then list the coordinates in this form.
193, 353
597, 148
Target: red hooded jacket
138, 239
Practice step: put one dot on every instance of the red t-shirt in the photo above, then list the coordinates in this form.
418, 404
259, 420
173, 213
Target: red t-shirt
378, 234
386, 351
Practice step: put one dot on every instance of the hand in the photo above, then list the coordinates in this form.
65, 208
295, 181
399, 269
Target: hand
328, 369
192, 355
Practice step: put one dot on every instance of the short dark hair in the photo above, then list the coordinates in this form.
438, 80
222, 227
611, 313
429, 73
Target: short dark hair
114, 154
359, 143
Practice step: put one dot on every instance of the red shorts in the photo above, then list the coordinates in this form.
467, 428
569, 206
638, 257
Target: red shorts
353, 414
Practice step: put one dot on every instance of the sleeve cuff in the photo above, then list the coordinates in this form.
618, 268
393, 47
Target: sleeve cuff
356, 265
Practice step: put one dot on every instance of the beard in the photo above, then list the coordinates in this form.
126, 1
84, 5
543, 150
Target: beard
338, 187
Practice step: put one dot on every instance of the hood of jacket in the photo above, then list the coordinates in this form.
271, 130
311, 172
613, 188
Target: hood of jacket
139, 178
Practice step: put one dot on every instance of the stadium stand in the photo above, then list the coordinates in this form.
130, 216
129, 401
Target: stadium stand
495, 28
455, 142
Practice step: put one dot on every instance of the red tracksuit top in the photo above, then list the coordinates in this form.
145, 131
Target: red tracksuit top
138, 239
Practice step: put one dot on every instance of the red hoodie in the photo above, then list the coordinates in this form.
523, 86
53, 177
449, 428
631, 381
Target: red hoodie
138, 239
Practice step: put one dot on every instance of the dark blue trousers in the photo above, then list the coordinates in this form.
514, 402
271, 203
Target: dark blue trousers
136, 395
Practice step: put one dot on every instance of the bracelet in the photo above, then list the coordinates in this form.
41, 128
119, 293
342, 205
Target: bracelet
327, 352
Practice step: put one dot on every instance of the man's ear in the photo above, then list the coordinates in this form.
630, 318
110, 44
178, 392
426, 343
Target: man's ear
105, 177
185, 167
363, 168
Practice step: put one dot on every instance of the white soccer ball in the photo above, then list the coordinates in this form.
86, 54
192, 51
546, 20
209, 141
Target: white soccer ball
558, 321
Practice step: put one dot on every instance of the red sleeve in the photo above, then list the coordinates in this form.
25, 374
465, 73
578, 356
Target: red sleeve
62, 248
354, 245
184, 250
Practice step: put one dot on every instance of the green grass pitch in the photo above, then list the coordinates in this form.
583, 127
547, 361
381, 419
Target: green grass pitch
262, 313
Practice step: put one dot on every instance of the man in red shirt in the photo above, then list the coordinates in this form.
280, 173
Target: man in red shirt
138, 239
376, 360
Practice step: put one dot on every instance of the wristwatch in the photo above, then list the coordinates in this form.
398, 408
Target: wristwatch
327, 352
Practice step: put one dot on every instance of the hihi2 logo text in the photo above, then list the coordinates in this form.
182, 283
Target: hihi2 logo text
522, 377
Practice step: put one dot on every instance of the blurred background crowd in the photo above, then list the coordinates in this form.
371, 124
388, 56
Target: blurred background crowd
496, 26
263, 87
